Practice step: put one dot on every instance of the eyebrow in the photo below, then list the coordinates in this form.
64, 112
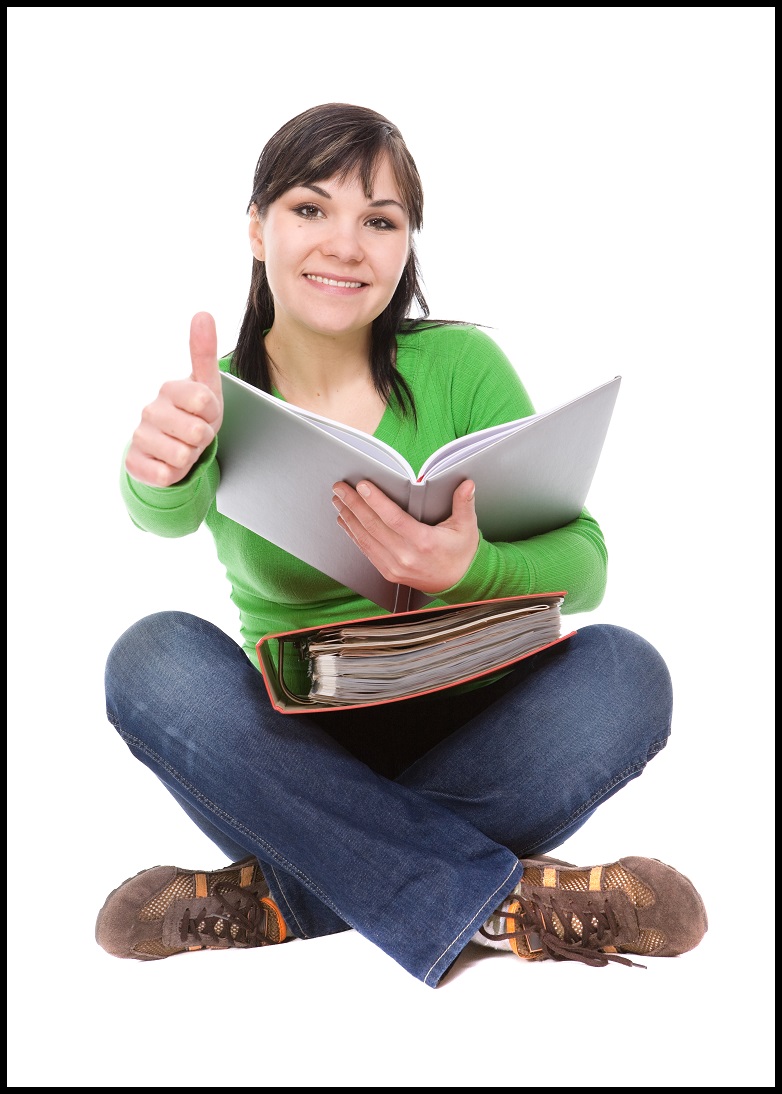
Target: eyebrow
379, 204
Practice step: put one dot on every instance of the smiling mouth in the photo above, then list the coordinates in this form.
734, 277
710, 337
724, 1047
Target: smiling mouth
332, 281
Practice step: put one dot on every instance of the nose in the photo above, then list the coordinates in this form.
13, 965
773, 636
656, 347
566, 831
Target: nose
343, 241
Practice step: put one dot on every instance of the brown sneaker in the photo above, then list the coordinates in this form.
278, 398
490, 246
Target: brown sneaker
595, 913
164, 911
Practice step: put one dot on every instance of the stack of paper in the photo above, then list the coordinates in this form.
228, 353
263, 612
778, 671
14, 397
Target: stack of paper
368, 662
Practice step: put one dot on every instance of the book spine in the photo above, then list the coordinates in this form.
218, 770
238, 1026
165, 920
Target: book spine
415, 507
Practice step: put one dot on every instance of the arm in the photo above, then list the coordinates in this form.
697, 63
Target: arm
169, 471
477, 387
176, 510
572, 559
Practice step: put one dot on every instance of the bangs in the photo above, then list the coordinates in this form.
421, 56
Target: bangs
334, 149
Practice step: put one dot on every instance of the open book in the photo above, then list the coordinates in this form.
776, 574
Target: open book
278, 464
381, 659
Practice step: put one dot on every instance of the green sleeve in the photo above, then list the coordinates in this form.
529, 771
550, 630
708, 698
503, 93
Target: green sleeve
178, 510
571, 559
485, 389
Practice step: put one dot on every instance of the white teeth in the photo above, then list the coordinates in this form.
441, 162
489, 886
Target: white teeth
330, 281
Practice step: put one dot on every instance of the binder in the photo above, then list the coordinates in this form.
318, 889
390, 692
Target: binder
453, 644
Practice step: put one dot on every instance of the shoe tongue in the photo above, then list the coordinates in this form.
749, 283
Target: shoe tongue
196, 910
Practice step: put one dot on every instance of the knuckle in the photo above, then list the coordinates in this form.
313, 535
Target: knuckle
180, 456
371, 524
162, 474
199, 433
201, 399
395, 520
405, 560
148, 413
360, 537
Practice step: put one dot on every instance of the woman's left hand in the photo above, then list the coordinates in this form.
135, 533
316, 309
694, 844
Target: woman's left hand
405, 551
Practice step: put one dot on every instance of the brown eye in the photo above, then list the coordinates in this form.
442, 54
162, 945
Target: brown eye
380, 224
308, 211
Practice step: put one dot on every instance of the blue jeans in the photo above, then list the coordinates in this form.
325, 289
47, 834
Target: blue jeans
404, 821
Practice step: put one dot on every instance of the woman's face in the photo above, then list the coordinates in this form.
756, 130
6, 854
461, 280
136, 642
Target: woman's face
333, 256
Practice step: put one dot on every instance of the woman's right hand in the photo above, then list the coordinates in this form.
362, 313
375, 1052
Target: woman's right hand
184, 419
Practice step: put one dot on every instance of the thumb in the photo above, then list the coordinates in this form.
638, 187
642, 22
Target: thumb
464, 500
203, 351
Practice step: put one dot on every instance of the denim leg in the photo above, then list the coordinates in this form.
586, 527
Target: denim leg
340, 844
546, 745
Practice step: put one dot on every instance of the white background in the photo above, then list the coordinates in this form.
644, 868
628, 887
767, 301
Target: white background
599, 192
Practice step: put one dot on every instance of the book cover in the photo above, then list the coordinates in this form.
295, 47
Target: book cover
278, 464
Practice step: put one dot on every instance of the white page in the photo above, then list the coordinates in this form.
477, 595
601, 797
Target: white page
459, 449
361, 441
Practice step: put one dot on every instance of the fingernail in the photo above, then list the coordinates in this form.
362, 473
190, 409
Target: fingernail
363, 489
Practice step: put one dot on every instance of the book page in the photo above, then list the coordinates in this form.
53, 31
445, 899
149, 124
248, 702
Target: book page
370, 679
360, 441
368, 663
461, 448
443, 627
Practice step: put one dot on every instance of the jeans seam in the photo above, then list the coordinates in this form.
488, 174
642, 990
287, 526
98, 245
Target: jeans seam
289, 913
595, 800
240, 828
491, 902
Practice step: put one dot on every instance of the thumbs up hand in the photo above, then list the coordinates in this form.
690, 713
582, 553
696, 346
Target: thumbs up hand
184, 418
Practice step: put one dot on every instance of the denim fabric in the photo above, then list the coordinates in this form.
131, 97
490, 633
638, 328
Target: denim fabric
406, 821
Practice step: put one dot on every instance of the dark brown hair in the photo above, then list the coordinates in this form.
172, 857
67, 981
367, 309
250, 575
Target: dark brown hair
336, 140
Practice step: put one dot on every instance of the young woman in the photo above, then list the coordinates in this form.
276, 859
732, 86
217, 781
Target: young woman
422, 824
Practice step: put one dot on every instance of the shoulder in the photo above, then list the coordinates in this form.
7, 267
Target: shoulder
457, 345
448, 337
461, 364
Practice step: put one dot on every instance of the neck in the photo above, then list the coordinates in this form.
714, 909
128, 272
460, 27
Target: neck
328, 375
317, 366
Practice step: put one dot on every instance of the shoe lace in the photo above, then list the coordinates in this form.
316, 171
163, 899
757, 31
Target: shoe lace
241, 921
585, 927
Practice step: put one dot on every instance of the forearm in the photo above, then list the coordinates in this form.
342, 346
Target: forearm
572, 559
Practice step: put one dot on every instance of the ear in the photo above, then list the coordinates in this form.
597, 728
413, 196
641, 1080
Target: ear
256, 234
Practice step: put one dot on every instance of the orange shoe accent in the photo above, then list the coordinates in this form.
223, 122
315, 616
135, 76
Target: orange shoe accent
550, 874
267, 900
510, 924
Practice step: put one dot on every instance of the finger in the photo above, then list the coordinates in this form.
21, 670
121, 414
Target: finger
374, 509
203, 351
190, 425
369, 540
464, 503
379, 527
151, 470
184, 395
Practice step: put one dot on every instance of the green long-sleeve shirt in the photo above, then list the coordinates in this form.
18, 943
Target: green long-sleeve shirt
461, 381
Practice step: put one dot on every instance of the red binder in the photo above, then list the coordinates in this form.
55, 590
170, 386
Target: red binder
457, 635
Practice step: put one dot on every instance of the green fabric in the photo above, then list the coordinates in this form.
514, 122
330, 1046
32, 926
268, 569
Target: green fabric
461, 381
